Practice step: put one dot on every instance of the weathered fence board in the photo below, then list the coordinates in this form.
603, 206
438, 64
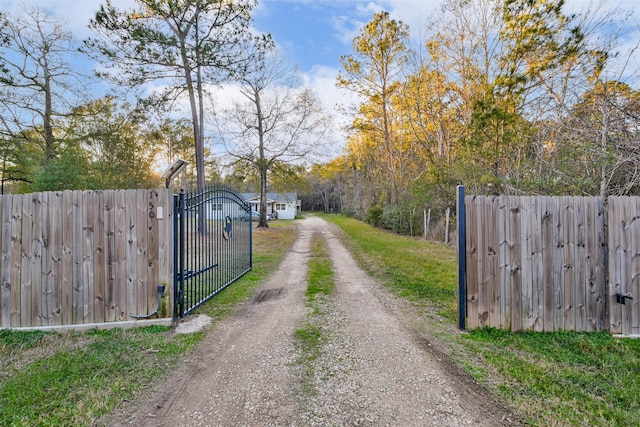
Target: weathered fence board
98, 253
495, 294
482, 304
140, 260
528, 270
558, 265
568, 245
505, 257
624, 265
5, 265
615, 279
26, 256
88, 276
16, 256
513, 280
539, 263
45, 285
634, 256
66, 259
109, 254
473, 264
54, 300
83, 257
153, 249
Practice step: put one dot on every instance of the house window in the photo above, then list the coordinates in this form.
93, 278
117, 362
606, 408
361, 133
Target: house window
216, 206
281, 206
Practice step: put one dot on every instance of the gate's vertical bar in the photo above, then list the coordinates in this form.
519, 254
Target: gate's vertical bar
176, 257
462, 261
195, 244
181, 243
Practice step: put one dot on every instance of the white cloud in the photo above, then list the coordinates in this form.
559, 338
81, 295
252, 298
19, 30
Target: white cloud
336, 101
75, 14
346, 28
262, 9
415, 13
323, 80
368, 9
349, 26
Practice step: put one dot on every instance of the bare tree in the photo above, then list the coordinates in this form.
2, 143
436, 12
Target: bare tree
276, 122
38, 83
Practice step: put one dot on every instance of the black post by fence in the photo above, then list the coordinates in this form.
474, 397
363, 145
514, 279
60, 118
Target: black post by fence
462, 265
179, 248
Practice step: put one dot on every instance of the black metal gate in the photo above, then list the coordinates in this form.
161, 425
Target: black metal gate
212, 245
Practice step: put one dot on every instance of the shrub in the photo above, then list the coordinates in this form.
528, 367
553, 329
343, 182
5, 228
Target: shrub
348, 212
374, 216
394, 218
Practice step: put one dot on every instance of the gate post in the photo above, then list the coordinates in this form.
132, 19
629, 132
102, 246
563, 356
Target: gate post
462, 260
178, 255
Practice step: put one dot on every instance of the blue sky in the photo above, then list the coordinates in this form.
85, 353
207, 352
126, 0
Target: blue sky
317, 33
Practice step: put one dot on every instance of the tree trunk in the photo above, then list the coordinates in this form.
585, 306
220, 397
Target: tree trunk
262, 222
198, 136
49, 139
604, 142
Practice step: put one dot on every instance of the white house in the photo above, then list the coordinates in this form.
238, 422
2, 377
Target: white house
284, 205
220, 205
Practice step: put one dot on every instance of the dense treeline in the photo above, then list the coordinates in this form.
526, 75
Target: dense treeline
503, 96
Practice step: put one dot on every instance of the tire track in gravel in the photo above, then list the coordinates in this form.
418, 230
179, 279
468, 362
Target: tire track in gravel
374, 369
243, 373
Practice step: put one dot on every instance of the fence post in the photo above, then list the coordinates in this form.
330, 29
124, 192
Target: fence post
446, 228
424, 223
462, 264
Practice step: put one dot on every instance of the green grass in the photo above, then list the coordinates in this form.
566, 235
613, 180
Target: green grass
422, 271
86, 377
313, 333
320, 273
63, 379
21, 341
572, 378
552, 379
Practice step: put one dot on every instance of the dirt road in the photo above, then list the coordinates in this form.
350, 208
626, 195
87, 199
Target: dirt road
374, 370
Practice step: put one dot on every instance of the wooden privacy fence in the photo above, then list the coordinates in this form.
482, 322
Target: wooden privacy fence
84, 257
549, 263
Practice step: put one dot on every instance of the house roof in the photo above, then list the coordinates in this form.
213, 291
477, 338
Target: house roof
271, 197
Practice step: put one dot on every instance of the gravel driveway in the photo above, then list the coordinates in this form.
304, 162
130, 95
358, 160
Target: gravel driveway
374, 369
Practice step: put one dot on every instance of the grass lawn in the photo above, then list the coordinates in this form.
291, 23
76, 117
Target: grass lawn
553, 379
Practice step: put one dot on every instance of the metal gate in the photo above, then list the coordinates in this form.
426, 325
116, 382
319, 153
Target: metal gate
212, 245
